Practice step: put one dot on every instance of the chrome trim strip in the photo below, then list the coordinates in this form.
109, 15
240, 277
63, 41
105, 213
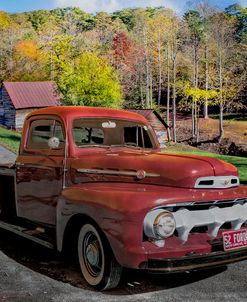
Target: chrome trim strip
202, 203
115, 172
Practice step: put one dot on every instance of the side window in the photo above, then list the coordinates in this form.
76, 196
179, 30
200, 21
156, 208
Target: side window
41, 131
131, 135
137, 136
147, 141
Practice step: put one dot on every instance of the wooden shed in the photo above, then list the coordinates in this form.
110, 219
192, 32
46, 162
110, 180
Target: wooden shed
17, 99
159, 125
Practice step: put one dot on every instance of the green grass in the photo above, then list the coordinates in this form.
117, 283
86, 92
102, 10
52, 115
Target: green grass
239, 162
10, 139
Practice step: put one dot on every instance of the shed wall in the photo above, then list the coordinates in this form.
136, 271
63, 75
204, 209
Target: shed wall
8, 109
1, 108
20, 117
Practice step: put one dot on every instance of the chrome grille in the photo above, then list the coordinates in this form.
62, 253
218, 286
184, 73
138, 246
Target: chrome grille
210, 216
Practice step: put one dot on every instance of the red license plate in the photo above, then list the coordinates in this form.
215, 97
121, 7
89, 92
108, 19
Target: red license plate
235, 239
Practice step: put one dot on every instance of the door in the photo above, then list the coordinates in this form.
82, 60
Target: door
39, 171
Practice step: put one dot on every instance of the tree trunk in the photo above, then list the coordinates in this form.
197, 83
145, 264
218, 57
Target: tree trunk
174, 103
221, 129
147, 70
147, 83
221, 105
160, 73
141, 90
193, 118
197, 126
206, 82
168, 94
195, 82
151, 84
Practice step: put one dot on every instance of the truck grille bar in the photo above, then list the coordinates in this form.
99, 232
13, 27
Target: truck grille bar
212, 215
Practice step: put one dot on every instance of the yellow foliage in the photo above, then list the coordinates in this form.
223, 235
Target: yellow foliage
4, 20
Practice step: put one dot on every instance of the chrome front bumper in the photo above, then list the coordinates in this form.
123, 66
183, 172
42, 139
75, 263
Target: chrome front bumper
194, 262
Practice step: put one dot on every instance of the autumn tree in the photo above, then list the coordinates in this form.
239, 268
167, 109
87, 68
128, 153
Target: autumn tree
222, 29
150, 52
87, 80
126, 60
13, 31
196, 32
140, 33
196, 98
30, 62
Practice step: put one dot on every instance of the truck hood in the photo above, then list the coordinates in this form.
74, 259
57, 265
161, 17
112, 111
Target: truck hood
148, 168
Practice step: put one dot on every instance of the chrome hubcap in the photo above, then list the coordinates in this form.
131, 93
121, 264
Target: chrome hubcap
92, 254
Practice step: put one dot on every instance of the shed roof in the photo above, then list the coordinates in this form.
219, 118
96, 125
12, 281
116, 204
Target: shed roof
147, 114
32, 94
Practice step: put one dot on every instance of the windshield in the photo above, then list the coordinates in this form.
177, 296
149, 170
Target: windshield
111, 133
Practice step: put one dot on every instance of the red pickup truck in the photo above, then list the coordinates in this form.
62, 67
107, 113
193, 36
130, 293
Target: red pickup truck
94, 180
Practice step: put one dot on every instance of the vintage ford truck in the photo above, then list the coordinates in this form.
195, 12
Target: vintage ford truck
94, 180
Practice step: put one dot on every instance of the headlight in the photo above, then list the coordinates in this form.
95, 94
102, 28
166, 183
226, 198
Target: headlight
159, 224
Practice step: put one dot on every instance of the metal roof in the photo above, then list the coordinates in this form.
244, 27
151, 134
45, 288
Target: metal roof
147, 113
32, 94
143, 112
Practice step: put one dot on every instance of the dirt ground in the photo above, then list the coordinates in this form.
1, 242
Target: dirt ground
235, 136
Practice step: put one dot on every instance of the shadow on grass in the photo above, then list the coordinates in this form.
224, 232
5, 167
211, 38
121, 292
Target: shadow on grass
11, 137
234, 117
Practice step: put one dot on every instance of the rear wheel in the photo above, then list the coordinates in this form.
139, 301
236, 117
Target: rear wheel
98, 264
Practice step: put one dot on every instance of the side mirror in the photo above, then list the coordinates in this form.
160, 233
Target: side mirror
53, 142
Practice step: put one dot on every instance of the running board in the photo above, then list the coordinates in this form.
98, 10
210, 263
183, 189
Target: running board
21, 231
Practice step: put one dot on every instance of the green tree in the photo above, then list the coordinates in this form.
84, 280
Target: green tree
90, 81
240, 14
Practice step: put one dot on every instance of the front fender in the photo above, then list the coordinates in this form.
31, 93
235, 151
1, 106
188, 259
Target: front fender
118, 215
119, 211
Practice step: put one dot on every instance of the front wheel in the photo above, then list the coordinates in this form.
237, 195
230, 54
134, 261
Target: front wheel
98, 264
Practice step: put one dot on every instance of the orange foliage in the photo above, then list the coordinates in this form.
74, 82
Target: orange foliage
28, 49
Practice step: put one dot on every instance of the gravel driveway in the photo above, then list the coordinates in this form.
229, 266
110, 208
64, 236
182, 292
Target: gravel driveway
6, 156
22, 262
